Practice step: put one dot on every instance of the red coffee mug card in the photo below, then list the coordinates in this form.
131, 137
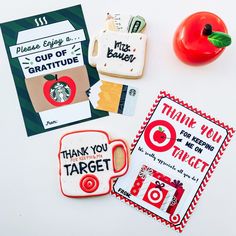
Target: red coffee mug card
173, 156
87, 163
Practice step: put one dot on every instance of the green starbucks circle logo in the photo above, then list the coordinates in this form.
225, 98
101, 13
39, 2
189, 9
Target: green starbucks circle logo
60, 92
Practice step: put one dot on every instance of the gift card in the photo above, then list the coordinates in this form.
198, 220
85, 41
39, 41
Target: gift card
113, 97
49, 63
173, 156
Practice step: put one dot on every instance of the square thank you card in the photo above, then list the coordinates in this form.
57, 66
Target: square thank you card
48, 55
173, 157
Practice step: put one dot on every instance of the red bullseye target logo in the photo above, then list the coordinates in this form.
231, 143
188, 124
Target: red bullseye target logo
89, 183
175, 219
155, 195
160, 135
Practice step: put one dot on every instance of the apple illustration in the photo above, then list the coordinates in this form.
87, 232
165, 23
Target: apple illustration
159, 135
59, 91
201, 38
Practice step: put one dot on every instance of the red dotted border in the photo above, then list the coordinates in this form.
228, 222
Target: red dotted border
229, 136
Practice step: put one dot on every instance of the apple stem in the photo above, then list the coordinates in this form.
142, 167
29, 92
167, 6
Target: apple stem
56, 77
207, 30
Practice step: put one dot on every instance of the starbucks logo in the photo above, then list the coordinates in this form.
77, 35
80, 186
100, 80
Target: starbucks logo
132, 92
59, 91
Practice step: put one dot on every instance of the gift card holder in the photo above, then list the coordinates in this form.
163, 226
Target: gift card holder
118, 54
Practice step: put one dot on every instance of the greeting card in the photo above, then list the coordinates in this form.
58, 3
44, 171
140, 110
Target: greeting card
173, 157
48, 55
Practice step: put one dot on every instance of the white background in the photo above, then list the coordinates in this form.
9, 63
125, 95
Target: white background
30, 198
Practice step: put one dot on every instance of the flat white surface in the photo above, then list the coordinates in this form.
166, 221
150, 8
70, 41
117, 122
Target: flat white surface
30, 198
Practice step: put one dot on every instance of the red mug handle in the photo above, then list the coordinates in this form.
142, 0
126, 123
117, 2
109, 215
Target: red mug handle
115, 144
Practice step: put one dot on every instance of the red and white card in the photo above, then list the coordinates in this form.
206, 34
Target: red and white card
173, 157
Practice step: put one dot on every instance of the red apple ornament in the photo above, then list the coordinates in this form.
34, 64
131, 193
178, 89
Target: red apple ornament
59, 91
201, 38
160, 135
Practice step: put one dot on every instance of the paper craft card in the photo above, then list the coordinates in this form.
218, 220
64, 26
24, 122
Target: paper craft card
173, 157
48, 55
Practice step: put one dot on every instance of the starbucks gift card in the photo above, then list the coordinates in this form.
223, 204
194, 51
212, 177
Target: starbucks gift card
49, 63
173, 157
113, 97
